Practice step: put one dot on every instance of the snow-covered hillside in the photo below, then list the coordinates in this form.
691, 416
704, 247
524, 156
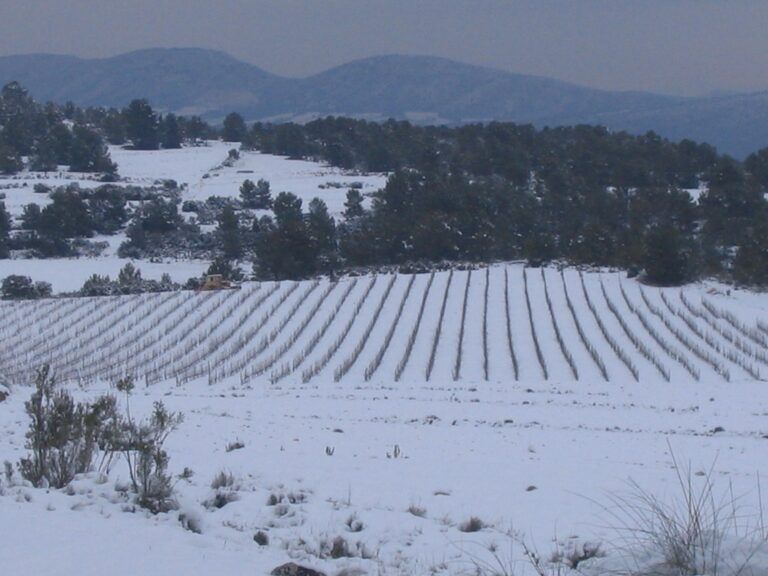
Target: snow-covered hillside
387, 411
492, 324
361, 424
204, 172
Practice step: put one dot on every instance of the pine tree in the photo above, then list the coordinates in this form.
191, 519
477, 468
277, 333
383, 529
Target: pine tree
141, 125
229, 233
353, 206
10, 162
171, 132
322, 234
235, 129
256, 196
665, 257
5, 229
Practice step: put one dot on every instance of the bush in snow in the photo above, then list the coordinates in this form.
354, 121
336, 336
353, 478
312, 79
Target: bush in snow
16, 287
697, 531
225, 491
474, 524
141, 443
63, 435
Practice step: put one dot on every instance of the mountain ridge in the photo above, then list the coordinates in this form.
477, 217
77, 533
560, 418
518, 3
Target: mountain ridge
423, 89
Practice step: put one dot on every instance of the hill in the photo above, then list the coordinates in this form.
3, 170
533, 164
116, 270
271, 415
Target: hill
504, 323
422, 89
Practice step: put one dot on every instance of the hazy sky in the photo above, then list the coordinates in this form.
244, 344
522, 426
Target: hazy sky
671, 46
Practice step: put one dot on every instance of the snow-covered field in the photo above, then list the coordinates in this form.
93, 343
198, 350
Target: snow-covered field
203, 171
388, 449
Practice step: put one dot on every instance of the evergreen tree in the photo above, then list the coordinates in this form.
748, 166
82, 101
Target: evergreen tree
89, 153
66, 217
171, 132
194, 128
229, 234
234, 129
5, 230
666, 258
44, 158
286, 250
60, 138
750, 266
256, 196
10, 161
30, 217
353, 205
141, 125
107, 206
113, 125
129, 279
322, 234
16, 287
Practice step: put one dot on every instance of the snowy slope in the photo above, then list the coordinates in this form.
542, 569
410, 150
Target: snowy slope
260, 365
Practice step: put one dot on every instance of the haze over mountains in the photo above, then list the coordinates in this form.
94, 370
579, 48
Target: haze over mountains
422, 89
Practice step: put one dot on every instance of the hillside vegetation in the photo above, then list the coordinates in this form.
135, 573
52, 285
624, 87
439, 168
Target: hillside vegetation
674, 212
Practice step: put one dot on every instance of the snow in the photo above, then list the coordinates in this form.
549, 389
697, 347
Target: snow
539, 456
202, 170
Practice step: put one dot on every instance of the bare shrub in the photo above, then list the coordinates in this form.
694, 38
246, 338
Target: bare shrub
141, 444
236, 445
339, 548
417, 511
225, 490
473, 524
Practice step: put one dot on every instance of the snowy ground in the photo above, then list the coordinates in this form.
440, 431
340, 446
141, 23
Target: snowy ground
539, 456
202, 170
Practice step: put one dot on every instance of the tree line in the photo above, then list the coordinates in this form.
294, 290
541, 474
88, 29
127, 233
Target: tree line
674, 211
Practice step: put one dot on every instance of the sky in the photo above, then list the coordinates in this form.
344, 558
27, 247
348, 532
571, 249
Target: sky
683, 47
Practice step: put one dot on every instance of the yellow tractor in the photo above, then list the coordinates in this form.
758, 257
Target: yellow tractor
216, 282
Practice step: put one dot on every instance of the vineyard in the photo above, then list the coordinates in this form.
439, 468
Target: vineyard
495, 324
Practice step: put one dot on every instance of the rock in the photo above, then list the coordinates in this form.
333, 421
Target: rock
4, 393
292, 569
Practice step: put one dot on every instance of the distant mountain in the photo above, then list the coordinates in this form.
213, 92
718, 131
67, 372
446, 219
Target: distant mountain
421, 89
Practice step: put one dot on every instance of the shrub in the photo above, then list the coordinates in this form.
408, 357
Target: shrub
148, 461
236, 445
418, 511
225, 490
339, 548
697, 532
16, 287
141, 444
474, 524
63, 435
